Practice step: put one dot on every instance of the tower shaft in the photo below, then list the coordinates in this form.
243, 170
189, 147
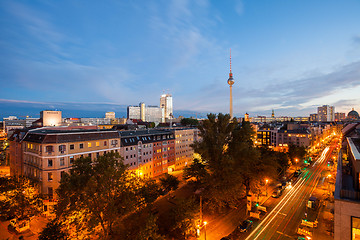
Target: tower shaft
231, 104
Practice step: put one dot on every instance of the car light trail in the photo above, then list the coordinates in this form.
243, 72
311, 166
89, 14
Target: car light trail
297, 189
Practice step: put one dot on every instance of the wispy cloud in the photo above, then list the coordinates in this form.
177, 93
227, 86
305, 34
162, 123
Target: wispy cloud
239, 7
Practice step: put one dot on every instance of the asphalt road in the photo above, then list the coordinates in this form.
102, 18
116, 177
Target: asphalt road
284, 219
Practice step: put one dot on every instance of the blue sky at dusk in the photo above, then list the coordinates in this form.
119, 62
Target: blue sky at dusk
290, 56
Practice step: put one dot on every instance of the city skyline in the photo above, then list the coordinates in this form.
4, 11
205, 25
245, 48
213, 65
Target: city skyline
291, 57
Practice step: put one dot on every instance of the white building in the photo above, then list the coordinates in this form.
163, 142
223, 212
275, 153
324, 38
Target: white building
326, 113
167, 104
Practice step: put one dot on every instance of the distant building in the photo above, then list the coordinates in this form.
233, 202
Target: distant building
11, 123
50, 118
353, 115
326, 113
146, 113
110, 115
166, 103
314, 117
339, 116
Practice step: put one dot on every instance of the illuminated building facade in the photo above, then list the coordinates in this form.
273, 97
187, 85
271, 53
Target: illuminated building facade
48, 153
326, 113
50, 118
183, 150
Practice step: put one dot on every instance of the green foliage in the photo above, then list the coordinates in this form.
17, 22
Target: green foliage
169, 182
53, 230
96, 195
231, 164
196, 169
183, 216
295, 152
149, 230
189, 122
19, 198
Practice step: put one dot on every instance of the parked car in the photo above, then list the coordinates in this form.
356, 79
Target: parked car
245, 225
277, 192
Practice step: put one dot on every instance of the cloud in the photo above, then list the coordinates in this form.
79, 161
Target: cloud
302, 95
239, 7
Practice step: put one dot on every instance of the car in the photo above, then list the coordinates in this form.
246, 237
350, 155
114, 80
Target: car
245, 225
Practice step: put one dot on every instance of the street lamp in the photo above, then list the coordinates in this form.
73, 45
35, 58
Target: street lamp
205, 222
266, 182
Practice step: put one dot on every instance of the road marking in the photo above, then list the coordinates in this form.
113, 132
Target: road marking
284, 234
282, 213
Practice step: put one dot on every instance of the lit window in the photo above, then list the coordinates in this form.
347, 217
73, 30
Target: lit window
50, 176
97, 144
89, 144
355, 230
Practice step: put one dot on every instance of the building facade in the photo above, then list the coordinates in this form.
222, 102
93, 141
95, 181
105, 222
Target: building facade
347, 187
166, 103
326, 113
146, 113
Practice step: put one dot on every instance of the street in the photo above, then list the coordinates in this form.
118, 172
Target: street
284, 219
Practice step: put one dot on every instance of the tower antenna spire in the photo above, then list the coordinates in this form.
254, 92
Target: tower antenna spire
230, 62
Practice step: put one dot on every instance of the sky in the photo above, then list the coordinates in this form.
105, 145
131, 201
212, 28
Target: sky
290, 56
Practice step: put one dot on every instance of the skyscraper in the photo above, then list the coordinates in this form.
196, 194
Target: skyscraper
167, 104
231, 82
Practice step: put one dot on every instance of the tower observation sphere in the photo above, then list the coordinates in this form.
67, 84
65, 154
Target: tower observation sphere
231, 82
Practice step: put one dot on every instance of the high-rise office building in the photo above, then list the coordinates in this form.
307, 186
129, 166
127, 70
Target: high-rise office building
326, 113
146, 113
167, 104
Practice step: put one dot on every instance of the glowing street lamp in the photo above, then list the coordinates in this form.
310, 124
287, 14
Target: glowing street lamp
266, 182
205, 222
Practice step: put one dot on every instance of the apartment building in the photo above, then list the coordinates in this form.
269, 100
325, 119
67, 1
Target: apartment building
184, 137
347, 187
48, 153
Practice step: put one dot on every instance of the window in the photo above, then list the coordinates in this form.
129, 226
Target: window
50, 176
97, 155
97, 144
105, 143
49, 149
126, 149
71, 159
62, 148
81, 145
89, 144
89, 155
355, 228
72, 146
62, 161
50, 162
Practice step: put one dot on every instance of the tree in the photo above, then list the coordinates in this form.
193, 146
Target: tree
96, 195
183, 216
196, 169
169, 182
53, 230
295, 152
19, 198
189, 122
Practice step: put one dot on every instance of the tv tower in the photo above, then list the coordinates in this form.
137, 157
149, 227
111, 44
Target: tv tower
231, 82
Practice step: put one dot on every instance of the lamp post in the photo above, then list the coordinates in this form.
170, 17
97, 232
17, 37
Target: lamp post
296, 161
266, 182
205, 222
